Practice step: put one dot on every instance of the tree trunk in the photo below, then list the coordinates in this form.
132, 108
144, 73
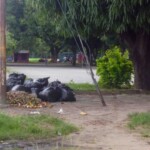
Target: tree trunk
140, 54
54, 54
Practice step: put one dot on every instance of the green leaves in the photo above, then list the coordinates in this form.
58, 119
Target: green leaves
114, 69
125, 14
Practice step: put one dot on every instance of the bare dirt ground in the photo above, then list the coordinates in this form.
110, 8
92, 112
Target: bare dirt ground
103, 128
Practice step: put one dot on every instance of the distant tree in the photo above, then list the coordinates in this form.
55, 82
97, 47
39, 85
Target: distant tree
11, 43
21, 29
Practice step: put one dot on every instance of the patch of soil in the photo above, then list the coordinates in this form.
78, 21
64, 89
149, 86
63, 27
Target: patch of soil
101, 128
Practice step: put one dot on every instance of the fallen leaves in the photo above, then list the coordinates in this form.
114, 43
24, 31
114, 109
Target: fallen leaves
23, 99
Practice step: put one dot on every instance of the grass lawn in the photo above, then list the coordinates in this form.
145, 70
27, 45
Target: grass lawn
82, 86
32, 127
34, 60
140, 122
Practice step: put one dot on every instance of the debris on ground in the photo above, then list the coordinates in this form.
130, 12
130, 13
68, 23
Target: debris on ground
60, 111
35, 113
23, 99
83, 113
41, 88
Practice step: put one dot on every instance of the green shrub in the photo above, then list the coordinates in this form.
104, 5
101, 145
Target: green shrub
114, 69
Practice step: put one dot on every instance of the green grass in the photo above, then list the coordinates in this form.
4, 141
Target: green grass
32, 127
140, 122
82, 86
34, 60
92, 87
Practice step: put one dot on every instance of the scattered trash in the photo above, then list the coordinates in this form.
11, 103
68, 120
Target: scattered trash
83, 113
60, 111
46, 104
59, 133
35, 112
41, 88
5, 143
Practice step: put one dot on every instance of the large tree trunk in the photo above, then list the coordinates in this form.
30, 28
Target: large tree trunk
139, 45
54, 54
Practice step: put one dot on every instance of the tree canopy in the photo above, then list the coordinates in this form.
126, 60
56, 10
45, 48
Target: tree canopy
21, 28
129, 19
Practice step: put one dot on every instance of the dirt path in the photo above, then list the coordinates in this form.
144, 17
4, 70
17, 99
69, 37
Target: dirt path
103, 128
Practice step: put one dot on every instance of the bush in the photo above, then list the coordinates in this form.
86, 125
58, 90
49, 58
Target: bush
114, 69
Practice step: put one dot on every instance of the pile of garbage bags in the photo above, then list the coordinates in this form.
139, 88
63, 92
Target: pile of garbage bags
50, 92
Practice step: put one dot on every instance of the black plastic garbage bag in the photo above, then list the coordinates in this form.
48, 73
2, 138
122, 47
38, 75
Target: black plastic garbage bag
67, 95
38, 83
19, 88
66, 92
50, 94
14, 79
17, 76
43, 81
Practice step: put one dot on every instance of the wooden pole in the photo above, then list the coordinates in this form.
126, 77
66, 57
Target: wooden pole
2, 54
92, 74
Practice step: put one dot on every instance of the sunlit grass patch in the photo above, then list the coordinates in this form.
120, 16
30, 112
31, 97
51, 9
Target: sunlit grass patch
34, 60
82, 86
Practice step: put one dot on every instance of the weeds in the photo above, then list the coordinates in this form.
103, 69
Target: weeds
140, 122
